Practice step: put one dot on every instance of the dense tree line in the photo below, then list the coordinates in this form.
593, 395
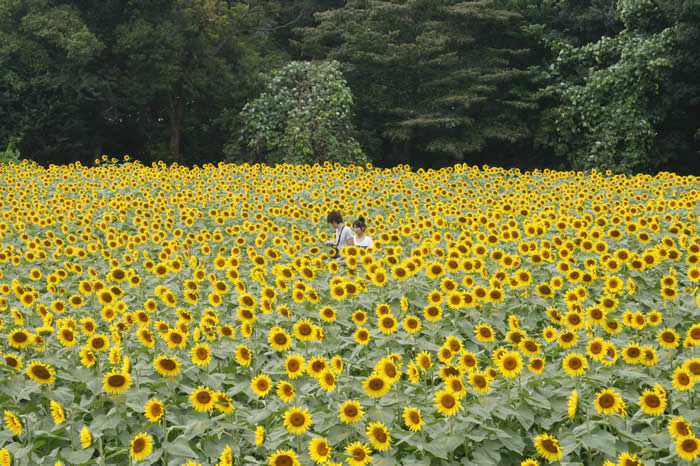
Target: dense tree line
528, 83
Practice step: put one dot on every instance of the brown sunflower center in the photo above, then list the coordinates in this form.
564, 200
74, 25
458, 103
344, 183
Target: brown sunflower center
297, 419
575, 363
550, 446
510, 363
204, 397
606, 401
139, 445
668, 337
40, 372
689, 445
379, 434
116, 380
376, 384
350, 411
447, 401
653, 401
280, 339
167, 364
202, 354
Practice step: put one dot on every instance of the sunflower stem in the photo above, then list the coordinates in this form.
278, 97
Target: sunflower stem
102, 454
165, 439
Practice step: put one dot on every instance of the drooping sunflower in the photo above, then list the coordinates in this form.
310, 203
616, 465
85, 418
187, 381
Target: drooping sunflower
57, 412
350, 412
283, 458
376, 385
358, 454
319, 450
13, 423
154, 410
548, 447
297, 420
447, 403
85, 438
167, 366
141, 446
116, 382
259, 435
87, 357
41, 373
572, 404
379, 436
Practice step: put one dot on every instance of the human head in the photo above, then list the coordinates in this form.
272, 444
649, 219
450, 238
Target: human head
334, 218
359, 224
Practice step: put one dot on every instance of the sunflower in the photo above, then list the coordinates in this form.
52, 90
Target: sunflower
98, 343
432, 313
682, 380
316, 366
376, 385
319, 450
41, 373
146, 338
358, 454
529, 462
202, 399
283, 458
652, 403
279, 339
447, 403
361, 336
13, 361
141, 446
484, 333
548, 447
467, 361
6, 458
201, 354
510, 364
154, 410
294, 366
387, 324
20, 338
668, 338
167, 366
243, 355
13, 423
413, 419
87, 357
116, 382
575, 364
424, 360
688, 447
411, 324
609, 401
567, 339
481, 384
57, 413
350, 412
297, 420
85, 438
66, 336
259, 435
285, 391
378, 436
678, 428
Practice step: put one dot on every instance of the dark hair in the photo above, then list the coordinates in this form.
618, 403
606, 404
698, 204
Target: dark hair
360, 223
334, 216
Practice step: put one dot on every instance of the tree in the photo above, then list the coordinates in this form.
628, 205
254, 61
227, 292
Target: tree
611, 96
436, 81
303, 116
46, 82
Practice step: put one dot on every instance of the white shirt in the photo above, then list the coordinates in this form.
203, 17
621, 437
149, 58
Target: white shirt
365, 242
342, 236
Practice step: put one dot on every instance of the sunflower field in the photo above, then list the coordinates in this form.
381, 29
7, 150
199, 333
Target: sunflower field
173, 315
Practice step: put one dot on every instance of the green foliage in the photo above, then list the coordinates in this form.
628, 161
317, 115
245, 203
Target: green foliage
303, 116
609, 94
435, 81
10, 154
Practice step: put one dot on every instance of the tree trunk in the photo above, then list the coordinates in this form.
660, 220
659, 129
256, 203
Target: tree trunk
176, 110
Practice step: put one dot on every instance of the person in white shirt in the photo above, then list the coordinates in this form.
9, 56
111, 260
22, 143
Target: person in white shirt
343, 233
361, 239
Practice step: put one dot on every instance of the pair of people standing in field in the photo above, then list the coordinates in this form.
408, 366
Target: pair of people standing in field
345, 236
